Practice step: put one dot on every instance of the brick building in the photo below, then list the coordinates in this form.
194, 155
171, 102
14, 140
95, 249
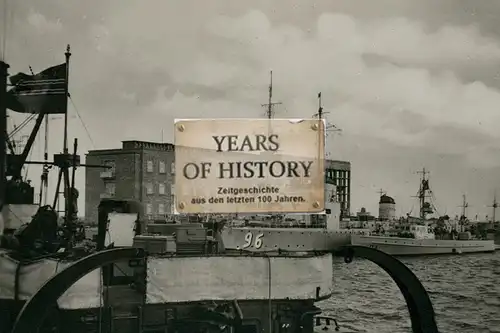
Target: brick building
339, 174
141, 171
144, 171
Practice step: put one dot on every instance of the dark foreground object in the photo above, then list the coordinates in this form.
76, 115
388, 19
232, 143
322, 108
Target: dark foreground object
417, 300
34, 312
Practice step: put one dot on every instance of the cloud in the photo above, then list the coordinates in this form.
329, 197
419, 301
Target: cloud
331, 59
406, 40
135, 68
42, 25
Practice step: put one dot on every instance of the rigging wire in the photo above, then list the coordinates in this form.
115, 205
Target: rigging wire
30, 154
22, 125
433, 203
82, 122
27, 166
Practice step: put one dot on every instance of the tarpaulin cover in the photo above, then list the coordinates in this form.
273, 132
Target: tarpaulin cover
15, 216
120, 229
172, 280
85, 293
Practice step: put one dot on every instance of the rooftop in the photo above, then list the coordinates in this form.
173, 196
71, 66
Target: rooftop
132, 145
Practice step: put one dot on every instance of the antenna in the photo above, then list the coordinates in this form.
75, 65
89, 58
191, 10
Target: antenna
464, 205
321, 115
270, 104
424, 172
381, 192
320, 106
494, 206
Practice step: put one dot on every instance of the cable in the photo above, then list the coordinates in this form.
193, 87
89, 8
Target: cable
101, 300
22, 125
270, 296
83, 123
27, 166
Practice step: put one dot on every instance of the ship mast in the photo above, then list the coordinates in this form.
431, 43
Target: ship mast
44, 178
321, 115
464, 206
320, 107
270, 104
494, 206
423, 194
3, 132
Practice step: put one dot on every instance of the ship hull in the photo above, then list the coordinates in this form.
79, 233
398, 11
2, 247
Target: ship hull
421, 247
286, 239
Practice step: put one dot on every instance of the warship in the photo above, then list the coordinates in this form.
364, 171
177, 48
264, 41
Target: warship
136, 277
416, 236
301, 232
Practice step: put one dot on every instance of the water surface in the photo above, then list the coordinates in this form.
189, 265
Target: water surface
465, 291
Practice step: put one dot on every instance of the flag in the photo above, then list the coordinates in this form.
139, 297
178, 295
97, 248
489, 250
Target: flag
42, 92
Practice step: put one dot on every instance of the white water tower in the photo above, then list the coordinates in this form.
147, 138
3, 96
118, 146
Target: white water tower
386, 208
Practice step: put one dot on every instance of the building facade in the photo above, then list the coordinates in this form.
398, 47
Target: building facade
145, 172
140, 171
339, 174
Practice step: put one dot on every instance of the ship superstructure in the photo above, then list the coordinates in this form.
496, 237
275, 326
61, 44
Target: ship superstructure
308, 232
418, 236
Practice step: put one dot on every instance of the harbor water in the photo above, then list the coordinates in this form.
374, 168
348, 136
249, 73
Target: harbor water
465, 291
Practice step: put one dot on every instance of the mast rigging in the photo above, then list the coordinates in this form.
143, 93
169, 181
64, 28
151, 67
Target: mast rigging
423, 194
270, 104
464, 206
321, 115
40, 95
494, 206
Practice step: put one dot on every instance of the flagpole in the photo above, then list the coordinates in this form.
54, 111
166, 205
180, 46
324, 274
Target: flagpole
66, 93
68, 191
3, 132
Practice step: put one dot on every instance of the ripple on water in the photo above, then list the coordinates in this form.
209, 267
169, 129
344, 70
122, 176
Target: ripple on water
465, 291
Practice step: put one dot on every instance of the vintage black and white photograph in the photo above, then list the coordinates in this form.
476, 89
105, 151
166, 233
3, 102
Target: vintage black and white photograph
226, 166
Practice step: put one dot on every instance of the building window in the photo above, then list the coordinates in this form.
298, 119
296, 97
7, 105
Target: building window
162, 167
111, 189
149, 166
172, 189
172, 168
161, 209
149, 188
149, 209
161, 189
111, 164
172, 203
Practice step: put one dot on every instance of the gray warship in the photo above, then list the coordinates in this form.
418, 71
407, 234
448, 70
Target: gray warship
416, 236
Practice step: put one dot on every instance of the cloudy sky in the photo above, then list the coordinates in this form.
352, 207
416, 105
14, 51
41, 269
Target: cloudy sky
412, 84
